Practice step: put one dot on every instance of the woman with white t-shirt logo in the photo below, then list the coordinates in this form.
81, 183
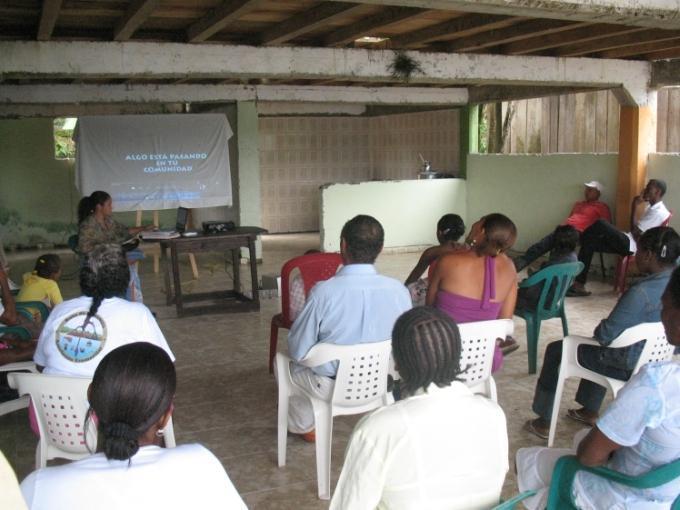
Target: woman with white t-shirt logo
132, 395
81, 331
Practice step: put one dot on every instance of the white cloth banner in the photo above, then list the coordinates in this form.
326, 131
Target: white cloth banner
155, 161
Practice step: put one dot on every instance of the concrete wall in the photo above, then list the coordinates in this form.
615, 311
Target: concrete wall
667, 168
407, 210
536, 192
300, 154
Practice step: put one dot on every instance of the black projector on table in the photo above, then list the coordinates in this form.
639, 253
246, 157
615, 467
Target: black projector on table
217, 227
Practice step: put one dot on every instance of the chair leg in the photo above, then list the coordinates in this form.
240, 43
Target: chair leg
556, 408
604, 273
273, 341
563, 317
284, 396
533, 331
324, 438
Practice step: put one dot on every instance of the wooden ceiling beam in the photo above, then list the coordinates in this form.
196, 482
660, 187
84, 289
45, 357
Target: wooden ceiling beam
219, 18
307, 21
135, 16
527, 29
618, 41
663, 55
368, 26
577, 35
48, 19
457, 27
640, 49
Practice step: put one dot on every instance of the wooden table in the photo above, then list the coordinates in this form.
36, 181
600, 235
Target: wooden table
231, 300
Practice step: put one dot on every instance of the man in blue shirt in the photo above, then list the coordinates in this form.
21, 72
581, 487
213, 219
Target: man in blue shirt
357, 305
658, 249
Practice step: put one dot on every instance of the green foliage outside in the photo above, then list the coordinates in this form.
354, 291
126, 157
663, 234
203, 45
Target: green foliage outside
64, 146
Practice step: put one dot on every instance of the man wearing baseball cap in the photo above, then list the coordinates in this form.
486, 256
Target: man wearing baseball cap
605, 237
583, 215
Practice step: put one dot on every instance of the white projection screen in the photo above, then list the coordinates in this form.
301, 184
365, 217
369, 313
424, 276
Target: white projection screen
148, 162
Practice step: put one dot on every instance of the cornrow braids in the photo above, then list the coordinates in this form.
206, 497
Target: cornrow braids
104, 274
663, 242
426, 346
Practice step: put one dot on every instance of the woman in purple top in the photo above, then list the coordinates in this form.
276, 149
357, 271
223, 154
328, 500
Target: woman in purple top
479, 284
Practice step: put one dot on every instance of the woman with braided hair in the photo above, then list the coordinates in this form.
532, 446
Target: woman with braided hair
132, 395
81, 331
441, 446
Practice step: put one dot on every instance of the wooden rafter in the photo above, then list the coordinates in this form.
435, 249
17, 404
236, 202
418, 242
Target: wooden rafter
218, 19
307, 21
573, 36
457, 27
137, 13
639, 49
48, 19
618, 41
369, 25
524, 30
663, 55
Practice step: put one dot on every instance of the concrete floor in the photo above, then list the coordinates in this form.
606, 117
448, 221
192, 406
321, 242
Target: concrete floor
226, 398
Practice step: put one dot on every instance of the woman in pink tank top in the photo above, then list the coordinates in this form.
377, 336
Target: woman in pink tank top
479, 284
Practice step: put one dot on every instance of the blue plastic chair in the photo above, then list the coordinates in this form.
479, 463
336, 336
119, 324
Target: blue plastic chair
556, 280
566, 468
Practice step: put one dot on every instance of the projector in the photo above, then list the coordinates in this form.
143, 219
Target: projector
217, 227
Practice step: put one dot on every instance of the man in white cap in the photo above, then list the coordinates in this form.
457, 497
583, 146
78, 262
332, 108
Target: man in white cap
583, 215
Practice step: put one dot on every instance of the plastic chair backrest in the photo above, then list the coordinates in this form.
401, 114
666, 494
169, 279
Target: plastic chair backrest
556, 280
313, 268
478, 341
567, 467
61, 406
361, 378
24, 307
656, 346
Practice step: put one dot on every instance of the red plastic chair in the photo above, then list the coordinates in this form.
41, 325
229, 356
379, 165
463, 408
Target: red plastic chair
624, 262
315, 267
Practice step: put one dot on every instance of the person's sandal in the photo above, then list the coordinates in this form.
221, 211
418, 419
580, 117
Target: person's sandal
579, 416
508, 345
576, 292
532, 427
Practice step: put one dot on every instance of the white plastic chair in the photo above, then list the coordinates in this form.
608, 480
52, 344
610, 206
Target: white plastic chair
478, 343
360, 386
23, 400
60, 404
656, 348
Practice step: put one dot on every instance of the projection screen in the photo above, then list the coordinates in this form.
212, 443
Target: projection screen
155, 161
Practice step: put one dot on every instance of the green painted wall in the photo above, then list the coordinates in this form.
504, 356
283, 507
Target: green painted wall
667, 168
535, 191
37, 196
407, 210
249, 168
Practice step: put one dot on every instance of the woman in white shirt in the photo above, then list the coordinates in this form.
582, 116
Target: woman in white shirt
442, 447
81, 331
131, 396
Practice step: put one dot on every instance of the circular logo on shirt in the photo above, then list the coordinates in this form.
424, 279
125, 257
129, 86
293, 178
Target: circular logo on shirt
79, 341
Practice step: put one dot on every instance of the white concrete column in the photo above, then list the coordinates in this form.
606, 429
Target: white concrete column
250, 212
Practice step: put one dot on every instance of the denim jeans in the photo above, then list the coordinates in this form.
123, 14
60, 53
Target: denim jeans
589, 395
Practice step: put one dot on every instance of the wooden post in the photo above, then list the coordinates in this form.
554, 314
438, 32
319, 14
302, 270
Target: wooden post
637, 139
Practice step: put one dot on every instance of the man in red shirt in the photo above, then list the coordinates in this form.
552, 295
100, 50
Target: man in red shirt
582, 215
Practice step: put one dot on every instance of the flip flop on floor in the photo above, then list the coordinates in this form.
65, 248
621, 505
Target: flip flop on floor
508, 345
575, 292
577, 415
530, 426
